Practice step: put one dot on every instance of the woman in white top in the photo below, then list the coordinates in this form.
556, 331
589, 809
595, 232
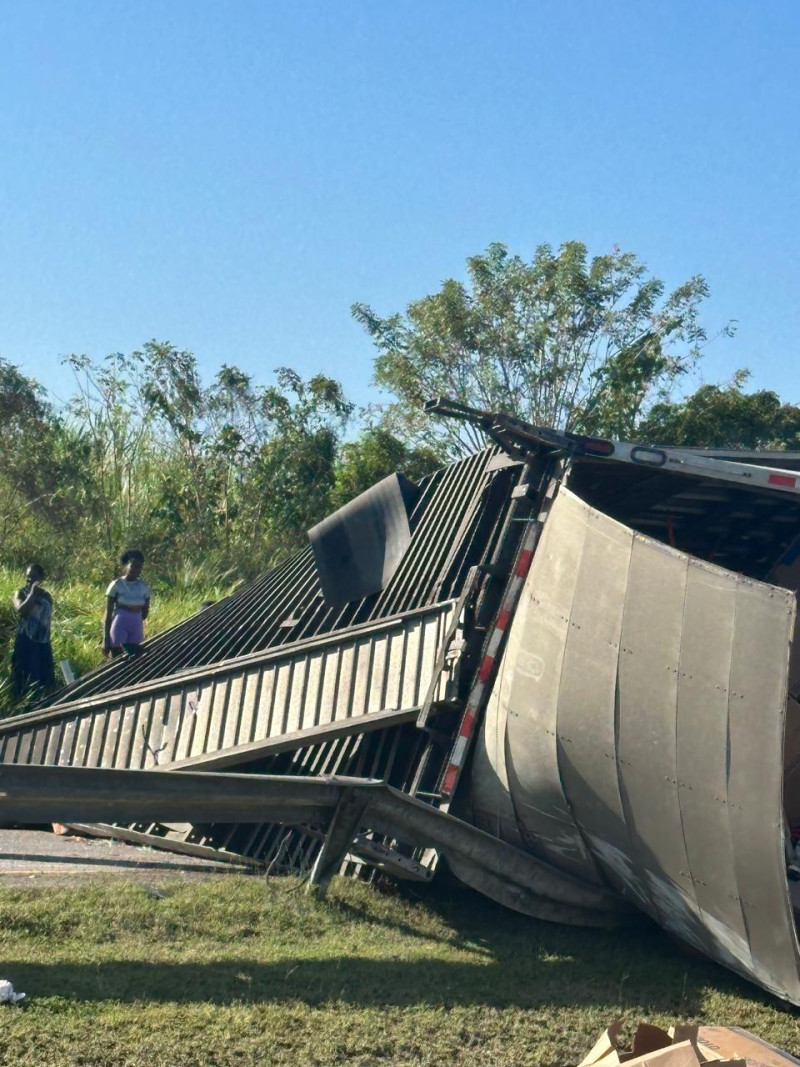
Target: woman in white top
127, 606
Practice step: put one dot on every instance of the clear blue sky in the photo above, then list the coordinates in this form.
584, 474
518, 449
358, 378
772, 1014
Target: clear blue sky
231, 176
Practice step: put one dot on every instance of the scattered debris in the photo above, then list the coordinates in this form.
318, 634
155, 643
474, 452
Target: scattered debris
685, 1046
67, 671
7, 994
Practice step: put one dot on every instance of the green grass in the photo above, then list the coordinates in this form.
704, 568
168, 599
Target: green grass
77, 622
246, 971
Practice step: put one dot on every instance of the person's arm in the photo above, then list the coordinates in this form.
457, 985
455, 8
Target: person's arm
146, 608
24, 604
110, 601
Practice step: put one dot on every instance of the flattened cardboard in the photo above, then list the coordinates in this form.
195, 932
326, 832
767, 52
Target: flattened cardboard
684, 1054
683, 1032
731, 1042
649, 1038
686, 1046
603, 1048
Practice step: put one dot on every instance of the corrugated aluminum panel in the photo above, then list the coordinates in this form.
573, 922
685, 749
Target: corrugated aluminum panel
383, 667
702, 753
642, 712
454, 525
389, 754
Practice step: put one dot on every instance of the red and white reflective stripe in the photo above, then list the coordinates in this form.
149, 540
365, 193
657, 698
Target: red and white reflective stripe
486, 669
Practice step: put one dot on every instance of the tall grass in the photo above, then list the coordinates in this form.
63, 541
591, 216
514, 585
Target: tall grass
78, 617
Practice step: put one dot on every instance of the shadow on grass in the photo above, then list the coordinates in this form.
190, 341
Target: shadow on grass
506, 961
477, 954
527, 982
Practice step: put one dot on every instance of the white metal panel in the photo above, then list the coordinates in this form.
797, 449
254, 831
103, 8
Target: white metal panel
648, 702
702, 755
536, 645
697, 732
757, 720
587, 743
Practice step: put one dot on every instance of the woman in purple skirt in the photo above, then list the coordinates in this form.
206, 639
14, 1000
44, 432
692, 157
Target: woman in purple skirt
127, 606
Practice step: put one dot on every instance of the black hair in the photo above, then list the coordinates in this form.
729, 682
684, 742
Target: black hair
131, 555
38, 568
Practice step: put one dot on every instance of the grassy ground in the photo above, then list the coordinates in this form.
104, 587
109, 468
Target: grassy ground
246, 971
77, 622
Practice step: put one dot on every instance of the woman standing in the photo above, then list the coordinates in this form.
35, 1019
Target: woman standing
127, 606
32, 659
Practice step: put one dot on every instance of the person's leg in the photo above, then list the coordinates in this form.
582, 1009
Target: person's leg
127, 632
45, 675
116, 633
133, 646
26, 665
19, 667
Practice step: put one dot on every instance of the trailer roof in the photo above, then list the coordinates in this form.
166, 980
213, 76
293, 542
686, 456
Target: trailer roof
762, 458
453, 524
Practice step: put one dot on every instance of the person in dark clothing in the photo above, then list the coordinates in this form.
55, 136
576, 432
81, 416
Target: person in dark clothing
32, 659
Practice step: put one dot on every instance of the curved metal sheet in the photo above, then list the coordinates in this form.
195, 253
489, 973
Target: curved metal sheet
646, 747
535, 656
702, 755
587, 695
643, 699
492, 807
756, 728
358, 548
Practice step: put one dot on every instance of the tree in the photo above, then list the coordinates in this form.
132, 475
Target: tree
562, 341
229, 470
294, 470
223, 475
43, 469
724, 416
110, 413
374, 455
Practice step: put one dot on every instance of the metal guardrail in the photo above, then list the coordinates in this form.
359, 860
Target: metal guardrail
341, 806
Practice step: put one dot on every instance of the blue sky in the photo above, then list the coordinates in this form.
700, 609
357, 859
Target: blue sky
232, 176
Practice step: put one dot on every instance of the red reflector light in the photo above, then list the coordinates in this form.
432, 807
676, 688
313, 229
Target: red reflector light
598, 447
782, 479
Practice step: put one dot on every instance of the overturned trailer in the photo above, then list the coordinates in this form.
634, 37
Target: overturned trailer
563, 668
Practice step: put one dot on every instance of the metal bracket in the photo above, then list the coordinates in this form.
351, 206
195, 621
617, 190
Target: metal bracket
445, 658
388, 859
344, 826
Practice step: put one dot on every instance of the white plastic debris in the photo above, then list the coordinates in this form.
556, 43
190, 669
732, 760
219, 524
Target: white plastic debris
7, 994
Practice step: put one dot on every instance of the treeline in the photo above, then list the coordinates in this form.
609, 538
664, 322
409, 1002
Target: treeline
218, 476
224, 476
